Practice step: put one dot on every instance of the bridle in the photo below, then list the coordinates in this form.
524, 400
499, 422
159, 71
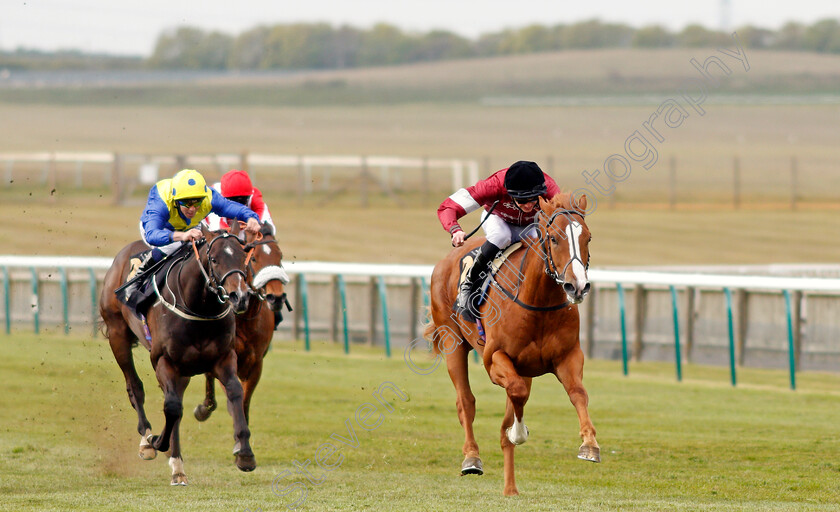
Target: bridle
266, 274
550, 266
212, 281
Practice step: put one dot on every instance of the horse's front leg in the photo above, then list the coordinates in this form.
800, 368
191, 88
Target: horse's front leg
456, 363
176, 462
570, 373
173, 408
225, 371
203, 410
513, 431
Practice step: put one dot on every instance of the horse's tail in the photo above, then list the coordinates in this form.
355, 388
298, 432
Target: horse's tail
429, 328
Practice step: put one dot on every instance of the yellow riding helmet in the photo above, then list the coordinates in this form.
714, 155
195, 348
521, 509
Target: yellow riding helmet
188, 184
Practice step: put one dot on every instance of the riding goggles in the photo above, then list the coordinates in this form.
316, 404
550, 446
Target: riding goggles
190, 203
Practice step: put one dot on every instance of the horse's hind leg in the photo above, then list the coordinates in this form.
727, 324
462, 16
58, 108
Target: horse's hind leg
249, 384
570, 373
513, 431
225, 371
121, 347
203, 410
456, 363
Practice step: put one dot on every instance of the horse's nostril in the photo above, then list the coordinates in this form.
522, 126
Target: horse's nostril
234, 297
569, 288
586, 288
270, 298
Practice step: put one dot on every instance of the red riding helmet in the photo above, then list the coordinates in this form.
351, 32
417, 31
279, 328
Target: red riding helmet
236, 184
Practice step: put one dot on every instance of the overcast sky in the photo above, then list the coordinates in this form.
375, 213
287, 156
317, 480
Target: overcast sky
132, 27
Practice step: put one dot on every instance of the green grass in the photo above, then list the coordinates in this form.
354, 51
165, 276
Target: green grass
68, 435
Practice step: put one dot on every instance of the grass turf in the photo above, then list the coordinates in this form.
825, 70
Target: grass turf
69, 439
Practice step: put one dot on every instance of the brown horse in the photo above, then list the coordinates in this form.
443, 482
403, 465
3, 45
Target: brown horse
191, 326
255, 327
531, 325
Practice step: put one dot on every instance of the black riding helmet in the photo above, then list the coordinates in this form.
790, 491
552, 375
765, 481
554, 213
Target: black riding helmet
525, 181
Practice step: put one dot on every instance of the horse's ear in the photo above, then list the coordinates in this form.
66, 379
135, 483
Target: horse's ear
544, 203
234, 228
208, 235
580, 204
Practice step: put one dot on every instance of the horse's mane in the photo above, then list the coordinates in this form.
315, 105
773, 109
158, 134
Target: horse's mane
564, 200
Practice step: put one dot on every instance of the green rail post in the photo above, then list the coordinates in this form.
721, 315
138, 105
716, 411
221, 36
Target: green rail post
342, 294
6, 297
424, 289
731, 326
304, 297
65, 316
677, 353
383, 301
791, 345
622, 312
93, 315
36, 319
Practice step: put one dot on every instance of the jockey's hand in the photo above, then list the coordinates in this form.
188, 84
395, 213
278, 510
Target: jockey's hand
252, 226
187, 236
458, 238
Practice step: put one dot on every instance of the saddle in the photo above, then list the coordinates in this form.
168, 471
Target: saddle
137, 292
467, 260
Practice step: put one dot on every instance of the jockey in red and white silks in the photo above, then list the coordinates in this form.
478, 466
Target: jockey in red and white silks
517, 190
236, 186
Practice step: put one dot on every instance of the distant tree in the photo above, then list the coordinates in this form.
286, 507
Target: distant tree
653, 37
755, 37
382, 45
249, 49
693, 36
488, 44
440, 45
530, 39
790, 37
595, 34
822, 36
191, 48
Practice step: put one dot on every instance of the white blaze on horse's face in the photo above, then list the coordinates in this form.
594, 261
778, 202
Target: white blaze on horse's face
266, 249
228, 251
574, 234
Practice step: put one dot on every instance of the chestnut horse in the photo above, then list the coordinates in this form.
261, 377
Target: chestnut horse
531, 326
255, 327
191, 326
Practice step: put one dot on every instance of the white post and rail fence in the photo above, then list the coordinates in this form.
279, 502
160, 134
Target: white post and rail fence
631, 315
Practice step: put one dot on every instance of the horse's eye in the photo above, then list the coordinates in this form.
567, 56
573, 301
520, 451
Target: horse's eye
553, 240
213, 260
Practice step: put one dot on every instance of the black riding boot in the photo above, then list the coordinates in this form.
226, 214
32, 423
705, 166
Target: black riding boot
475, 277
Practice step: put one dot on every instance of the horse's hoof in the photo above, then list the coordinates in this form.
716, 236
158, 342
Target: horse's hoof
246, 462
517, 437
590, 453
147, 453
179, 479
472, 466
202, 412
511, 492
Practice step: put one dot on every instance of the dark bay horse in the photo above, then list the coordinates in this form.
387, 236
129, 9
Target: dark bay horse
255, 327
531, 325
192, 332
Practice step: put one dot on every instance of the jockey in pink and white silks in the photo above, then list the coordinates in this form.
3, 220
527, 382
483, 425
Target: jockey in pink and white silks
517, 190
